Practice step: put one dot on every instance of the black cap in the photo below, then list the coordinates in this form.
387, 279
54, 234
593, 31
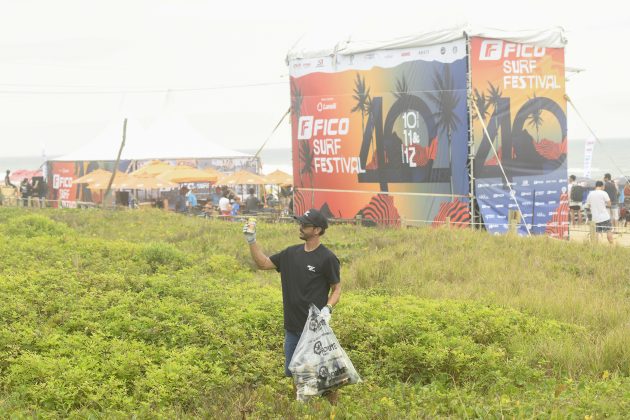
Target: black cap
313, 217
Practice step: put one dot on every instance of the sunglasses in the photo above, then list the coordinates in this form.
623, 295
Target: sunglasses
306, 225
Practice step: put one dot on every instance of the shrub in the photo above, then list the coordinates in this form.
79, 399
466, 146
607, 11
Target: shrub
34, 225
161, 256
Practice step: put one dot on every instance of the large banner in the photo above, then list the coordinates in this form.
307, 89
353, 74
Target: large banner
382, 135
518, 92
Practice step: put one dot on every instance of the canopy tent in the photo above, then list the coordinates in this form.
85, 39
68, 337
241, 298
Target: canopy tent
19, 174
170, 137
313, 45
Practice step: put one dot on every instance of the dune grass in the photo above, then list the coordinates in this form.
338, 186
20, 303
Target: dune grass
145, 313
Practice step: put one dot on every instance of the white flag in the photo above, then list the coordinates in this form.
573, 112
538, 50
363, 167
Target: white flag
589, 145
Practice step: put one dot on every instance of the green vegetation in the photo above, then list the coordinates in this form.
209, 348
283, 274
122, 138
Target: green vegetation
156, 315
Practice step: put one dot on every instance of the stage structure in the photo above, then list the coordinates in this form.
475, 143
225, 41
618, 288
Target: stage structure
461, 125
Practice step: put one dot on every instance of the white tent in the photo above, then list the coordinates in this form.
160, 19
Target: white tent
313, 45
170, 137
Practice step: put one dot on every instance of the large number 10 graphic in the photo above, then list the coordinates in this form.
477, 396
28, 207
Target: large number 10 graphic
518, 153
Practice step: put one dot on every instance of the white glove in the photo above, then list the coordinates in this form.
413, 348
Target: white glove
326, 314
250, 233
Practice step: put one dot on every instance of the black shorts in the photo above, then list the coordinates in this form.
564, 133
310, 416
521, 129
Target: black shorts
575, 207
603, 227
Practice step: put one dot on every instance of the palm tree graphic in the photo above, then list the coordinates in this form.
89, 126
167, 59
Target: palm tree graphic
482, 104
402, 88
446, 100
494, 96
535, 119
363, 100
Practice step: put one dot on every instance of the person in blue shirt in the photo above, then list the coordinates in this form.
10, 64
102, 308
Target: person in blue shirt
236, 206
191, 200
216, 196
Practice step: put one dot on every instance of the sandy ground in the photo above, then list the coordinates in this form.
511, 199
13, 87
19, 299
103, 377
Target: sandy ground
581, 234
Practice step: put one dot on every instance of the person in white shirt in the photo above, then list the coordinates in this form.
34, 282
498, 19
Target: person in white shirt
599, 202
224, 205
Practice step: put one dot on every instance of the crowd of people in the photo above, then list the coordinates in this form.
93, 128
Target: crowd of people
28, 193
225, 203
605, 205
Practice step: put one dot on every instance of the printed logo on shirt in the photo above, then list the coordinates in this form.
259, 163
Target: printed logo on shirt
311, 268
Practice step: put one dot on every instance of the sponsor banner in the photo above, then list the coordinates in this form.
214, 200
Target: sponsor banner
61, 174
542, 201
518, 91
61, 189
386, 128
443, 53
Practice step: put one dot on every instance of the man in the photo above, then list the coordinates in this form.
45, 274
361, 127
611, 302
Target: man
611, 190
575, 201
599, 201
180, 200
236, 206
7, 180
191, 201
309, 273
252, 203
224, 205
25, 192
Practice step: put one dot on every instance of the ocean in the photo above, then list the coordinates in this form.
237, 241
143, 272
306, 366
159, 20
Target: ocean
609, 155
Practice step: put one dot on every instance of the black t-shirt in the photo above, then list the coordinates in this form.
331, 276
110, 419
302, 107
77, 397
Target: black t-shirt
306, 278
252, 203
611, 189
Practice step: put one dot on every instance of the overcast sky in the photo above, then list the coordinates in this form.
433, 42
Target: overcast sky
67, 68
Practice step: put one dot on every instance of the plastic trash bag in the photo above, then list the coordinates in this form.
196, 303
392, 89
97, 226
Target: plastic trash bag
319, 364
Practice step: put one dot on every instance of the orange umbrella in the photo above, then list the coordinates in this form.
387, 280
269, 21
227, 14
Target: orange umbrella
153, 168
213, 171
242, 178
96, 176
147, 183
120, 181
279, 177
184, 173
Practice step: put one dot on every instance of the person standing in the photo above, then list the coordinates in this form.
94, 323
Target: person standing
7, 180
180, 200
224, 205
25, 192
191, 201
309, 273
236, 206
575, 201
42, 192
611, 190
599, 201
252, 203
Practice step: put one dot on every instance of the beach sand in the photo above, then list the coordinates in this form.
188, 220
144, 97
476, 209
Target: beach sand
580, 233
